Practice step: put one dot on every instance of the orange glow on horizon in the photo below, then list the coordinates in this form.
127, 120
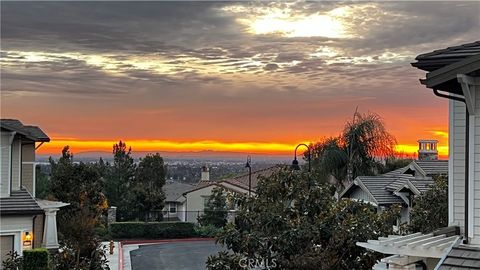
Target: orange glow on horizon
271, 148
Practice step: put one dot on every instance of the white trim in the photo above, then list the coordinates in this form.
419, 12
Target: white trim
20, 163
471, 176
9, 185
17, 239
465, 82
417, 244
451, 107
34, 183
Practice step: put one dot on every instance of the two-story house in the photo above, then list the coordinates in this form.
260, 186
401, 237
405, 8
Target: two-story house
453, 74
25, 222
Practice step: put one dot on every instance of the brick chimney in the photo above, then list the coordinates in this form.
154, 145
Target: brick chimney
427, 150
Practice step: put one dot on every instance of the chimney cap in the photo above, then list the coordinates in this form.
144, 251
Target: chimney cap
427, 141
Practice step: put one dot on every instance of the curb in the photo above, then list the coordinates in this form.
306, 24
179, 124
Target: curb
136, 242
120, 255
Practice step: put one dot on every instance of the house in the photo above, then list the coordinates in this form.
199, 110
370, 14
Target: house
26, 222
402, 185
174, 200
197, 197
454, 74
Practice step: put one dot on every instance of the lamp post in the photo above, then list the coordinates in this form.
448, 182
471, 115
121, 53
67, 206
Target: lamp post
295, 165
249, 159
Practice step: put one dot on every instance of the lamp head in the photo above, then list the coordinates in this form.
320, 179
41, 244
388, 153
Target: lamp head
248, 162
295, 165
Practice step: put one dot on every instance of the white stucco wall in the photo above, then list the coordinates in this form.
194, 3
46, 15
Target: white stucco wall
195, 202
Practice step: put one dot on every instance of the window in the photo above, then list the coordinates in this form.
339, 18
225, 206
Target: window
205, 201
173, 208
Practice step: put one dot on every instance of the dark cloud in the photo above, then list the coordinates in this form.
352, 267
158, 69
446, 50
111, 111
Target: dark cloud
196, 59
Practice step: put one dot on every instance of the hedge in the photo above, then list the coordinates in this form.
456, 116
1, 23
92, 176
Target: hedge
36, 259
151, 230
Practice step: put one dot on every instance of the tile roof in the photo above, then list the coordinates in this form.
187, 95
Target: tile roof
398, 171
461, 257
433, 167
31, 132
174, 190
376, 186
242, 180
444, 57
422, 185
20, 202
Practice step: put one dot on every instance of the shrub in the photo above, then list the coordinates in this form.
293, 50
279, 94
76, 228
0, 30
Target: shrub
36, 259
207, 231
152, 230
12, 261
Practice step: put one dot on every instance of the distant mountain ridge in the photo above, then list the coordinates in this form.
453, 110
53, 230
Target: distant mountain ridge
189, 155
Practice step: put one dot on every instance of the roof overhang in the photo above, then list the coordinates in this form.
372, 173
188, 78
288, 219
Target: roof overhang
445, 78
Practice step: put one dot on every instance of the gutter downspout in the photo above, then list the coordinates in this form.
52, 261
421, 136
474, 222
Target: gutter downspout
467, 155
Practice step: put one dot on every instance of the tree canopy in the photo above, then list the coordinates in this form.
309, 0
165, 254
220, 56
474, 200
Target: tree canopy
295, 222
120, 176
359, 150
215, 213
432, 206
80, 185
148, 191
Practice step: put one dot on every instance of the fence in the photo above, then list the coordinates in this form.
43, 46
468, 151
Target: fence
187, 216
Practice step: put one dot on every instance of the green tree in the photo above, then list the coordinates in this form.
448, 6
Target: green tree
42, 184
359, 150
216, 210
148, 186
81, 186
294, 223
394, 163
120, 177
431, 206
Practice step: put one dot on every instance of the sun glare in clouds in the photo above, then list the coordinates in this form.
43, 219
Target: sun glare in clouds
285, 21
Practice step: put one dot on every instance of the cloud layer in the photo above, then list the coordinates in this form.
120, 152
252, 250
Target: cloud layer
228, 71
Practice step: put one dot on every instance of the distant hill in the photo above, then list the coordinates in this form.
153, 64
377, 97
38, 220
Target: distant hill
169, 155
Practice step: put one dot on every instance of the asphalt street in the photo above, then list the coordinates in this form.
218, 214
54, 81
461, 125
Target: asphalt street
173, 256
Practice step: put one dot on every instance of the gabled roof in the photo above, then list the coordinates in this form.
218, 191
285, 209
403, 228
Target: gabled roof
240, 181
399, 171
444, 57
31, 132
461, 257
432, 167
174, 190
20, 202
376, 187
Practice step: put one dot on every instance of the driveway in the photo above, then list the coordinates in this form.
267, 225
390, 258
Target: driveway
173, 255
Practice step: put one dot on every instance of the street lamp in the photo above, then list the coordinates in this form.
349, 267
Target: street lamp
249, 159
295, 165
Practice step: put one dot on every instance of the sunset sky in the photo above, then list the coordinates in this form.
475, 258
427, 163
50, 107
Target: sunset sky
251, 77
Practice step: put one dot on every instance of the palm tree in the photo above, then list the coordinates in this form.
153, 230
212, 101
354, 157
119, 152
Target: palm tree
360, 150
